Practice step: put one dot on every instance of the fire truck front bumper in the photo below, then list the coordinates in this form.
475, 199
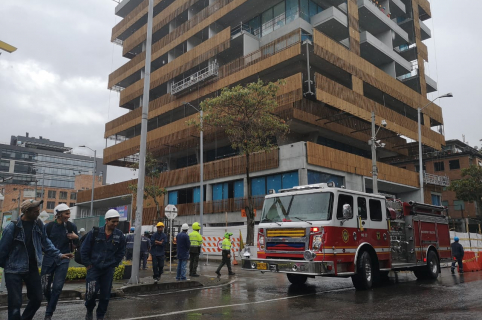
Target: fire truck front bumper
311, 268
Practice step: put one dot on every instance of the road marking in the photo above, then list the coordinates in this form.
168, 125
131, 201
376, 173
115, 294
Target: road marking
185, 290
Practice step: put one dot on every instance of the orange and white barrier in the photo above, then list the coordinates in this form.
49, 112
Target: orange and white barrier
212, 245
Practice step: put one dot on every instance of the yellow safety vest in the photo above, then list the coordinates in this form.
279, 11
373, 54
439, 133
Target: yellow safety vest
226, 245
196, 239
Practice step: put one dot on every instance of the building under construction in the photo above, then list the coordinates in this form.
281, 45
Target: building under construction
341, 61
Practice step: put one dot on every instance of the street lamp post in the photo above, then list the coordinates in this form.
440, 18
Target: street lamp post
201, 170
374, 145
420, 162
93, 180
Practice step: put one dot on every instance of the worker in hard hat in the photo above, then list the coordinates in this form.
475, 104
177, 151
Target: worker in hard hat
183, 245
130, 244
82, 232
226, 252
196, 243
158, 253
102, 251
458, 255
145, 248
63, 235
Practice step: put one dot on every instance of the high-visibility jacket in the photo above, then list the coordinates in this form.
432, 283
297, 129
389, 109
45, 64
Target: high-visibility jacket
196, 239
226, 244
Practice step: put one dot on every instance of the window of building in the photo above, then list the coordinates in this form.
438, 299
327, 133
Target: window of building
63, 195
39, 194
52, 194
228, 190
375, 210
417, 168
436, 199
261, 185
342, 200
73, 196
439, 166
454, 164
50, 205
72, 204
445, 203
459, 205
183, 196
320, 177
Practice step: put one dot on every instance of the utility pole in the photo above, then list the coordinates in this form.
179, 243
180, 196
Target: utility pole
16, 215
143, 146
374, 156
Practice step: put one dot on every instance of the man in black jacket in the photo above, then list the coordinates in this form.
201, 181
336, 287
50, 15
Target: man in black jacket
458, 254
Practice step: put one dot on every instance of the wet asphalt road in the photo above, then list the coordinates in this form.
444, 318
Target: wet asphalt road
270, 296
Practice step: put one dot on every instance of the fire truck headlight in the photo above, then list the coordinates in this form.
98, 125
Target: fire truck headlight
309, 255
316, 243
253, 265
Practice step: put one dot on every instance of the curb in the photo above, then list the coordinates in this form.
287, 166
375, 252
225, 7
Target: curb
160, 286
65, 295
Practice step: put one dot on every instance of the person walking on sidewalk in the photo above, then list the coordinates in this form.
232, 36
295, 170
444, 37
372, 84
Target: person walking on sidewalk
458, 255
226, 252
158, 253
145, 248
183, 245
195, 250
63, 235
21, 248
130, 244
102, 251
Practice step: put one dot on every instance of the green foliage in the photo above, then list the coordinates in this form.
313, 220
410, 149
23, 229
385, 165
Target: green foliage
75, 273
151, 189
469, 188
119, 272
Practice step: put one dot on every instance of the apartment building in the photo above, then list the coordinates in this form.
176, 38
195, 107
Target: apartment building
340, 60
43, 169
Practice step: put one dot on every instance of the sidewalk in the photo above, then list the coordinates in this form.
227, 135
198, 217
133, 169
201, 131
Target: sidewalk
75, 290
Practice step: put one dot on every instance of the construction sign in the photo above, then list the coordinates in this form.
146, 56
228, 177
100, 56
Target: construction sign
243, 213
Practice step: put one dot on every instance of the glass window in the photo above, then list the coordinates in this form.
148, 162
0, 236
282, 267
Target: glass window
196, 195
72, 204
342, 200
267, 22
311, 207
439, 166
217, 191
63, 195
320, 177
52, 194
454, 164
254, 25
445, 203
362, 208
291, 10
172, 197
289, 180
304, 10
459, 205
313, 7
436, 199
50, 205
279, 15
375, 210
274, 182
239, 189
258, 186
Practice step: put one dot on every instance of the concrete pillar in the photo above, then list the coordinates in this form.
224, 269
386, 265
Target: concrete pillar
386, 37
209, 192
303, 176
193, 42
390, 69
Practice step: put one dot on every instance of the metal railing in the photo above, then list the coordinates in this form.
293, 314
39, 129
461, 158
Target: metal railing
210, 71
434, 179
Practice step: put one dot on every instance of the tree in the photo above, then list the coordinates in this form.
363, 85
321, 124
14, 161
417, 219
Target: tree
469, 188
151, 189
246, 113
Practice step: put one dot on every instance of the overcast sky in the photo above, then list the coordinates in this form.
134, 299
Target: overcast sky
55, 84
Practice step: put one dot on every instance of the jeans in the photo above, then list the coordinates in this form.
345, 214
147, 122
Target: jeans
459, 261
32, 281
129, 252
158, 266
56, 274
98, 285
193, 262
181, 270
143, 260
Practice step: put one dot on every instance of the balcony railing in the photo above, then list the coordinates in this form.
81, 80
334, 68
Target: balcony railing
209, 72
434, 179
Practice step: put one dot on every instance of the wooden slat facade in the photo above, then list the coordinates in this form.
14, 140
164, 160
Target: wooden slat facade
334, 159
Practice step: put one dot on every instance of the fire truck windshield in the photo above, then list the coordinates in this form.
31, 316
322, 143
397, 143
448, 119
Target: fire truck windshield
311, 207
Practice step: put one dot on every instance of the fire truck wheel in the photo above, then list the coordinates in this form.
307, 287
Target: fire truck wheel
432, 265
363, 279
296, 279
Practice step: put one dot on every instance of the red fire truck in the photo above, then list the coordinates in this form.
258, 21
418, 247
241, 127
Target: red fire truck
322, 230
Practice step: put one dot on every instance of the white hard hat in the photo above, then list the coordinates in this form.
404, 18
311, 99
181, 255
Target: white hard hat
82, 230
112, 213
185, 227
61, 207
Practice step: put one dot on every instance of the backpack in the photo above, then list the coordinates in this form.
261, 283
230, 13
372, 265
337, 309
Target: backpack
77, 255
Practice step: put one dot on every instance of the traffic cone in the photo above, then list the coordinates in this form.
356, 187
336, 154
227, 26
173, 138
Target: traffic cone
235, 262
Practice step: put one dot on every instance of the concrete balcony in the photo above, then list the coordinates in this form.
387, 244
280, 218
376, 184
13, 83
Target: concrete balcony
408, 53
411, 80
126, 6
408, 26
379, 54
425, 31
331, 22
375, 22
397, 8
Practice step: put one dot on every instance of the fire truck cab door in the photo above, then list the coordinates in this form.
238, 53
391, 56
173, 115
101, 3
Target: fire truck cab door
343, 200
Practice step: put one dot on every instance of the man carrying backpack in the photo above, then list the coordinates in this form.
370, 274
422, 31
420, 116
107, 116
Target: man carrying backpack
102, 251
63, 235
21, 248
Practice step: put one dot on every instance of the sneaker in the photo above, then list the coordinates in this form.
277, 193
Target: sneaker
231, 273
89, 315
218, 273
156, 280
48, 318
194, 275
